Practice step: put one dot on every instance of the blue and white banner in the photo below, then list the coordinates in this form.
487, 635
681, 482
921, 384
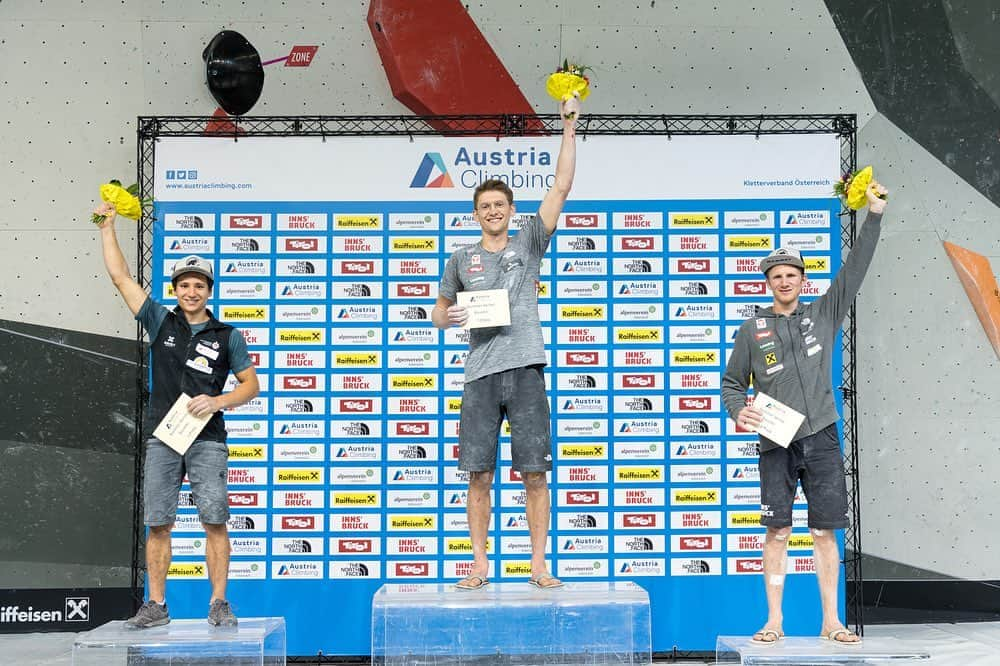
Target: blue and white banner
343, 473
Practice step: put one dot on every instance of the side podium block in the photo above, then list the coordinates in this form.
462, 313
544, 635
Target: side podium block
797, 650
512, 623
256, 641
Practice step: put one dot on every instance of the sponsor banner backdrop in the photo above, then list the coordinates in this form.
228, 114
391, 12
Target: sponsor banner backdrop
344, 476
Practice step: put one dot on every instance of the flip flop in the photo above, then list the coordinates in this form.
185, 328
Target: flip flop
832, 637
537, 581
764, 633
472, 583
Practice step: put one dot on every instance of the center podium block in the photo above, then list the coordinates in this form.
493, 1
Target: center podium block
511, 623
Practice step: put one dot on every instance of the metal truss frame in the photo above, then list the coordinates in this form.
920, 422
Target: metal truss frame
844, 126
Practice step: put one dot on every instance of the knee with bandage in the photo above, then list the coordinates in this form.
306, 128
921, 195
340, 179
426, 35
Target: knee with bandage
779, 534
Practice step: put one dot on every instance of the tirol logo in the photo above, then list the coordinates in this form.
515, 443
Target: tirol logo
431, 172
639, 381
357, 267
414, 428
693, 266
583, 497
582, 358
639, 520
696, 543
748, 288
299, 382
246, 221
412, 569
298, 523
582, 221
301, 244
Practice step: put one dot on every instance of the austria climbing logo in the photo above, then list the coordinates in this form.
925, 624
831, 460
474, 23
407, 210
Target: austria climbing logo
432, 172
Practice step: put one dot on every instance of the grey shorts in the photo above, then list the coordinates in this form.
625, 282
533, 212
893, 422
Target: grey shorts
205, 464
518, 394
816, 460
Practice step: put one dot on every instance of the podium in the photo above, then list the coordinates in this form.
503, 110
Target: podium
815, 650
511, 623
256, 641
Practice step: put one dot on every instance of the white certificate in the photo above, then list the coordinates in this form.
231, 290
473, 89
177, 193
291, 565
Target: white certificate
489, 307
179, 428
780, 422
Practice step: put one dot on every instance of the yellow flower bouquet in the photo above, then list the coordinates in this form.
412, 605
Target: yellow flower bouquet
567, 81
124, 199
851, 188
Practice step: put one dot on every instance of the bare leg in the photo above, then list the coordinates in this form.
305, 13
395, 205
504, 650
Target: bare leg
775, 566
827, 559
217, 558
158, 561
539, 512
478, 510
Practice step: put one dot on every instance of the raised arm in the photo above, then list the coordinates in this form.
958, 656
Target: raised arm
552, 204
115, 263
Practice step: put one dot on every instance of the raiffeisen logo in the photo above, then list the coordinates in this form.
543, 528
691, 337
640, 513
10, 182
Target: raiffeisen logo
431, 172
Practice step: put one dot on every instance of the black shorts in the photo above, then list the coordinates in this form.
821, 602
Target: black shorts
518, 394
816, 460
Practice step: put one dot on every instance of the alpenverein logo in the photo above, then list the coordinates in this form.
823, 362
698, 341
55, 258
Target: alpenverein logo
363, 221
412, 522
431, 172
581, 312
413, 382
749, 242
695, 357
355, 499
370, 359
300, 336
235, 313
639, 473
639, 335
413, 245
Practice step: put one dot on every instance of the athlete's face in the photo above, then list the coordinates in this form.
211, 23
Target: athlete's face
493, 212
786, 284
192, 292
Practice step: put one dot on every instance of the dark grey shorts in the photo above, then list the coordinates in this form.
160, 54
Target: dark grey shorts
518, 394
206, 465
816, 460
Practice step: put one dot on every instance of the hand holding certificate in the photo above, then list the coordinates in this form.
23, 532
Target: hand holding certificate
179, 428
779, 422
486, 308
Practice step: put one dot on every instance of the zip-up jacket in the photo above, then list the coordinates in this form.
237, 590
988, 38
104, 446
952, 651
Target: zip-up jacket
790, 357
182, 363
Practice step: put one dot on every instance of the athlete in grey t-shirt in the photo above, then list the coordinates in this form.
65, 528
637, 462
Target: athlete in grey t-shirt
503, 372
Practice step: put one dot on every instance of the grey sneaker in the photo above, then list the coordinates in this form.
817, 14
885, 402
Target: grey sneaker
151, 614
220, 614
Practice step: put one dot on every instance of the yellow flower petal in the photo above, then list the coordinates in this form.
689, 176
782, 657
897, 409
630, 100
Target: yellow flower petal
856, 199
127, 205
561, 85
